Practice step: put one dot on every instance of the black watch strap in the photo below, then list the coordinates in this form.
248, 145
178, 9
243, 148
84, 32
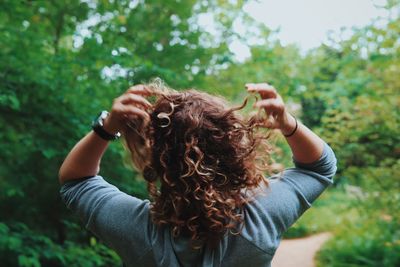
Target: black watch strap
97, 127
99, 130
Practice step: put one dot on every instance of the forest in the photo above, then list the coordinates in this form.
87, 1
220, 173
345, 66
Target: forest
61, 62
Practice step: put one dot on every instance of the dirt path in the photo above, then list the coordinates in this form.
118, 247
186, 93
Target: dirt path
299, 252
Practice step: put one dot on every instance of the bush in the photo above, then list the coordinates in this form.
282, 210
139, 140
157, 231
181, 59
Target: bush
20, 246
369, 241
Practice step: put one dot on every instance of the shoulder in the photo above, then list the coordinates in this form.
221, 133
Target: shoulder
259, 219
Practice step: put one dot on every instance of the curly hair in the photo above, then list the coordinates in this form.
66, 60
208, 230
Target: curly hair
198, 157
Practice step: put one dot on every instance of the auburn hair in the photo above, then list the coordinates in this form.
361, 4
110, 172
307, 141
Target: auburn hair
198, 157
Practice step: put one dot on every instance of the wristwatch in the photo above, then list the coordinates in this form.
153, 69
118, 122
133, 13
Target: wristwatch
98, 127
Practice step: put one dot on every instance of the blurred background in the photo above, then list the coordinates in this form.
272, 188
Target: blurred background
63, 61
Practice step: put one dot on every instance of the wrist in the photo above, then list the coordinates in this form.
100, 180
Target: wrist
109, 126
104, 127
289, 126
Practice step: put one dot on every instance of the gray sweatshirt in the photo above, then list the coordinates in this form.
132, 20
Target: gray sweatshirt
123, 222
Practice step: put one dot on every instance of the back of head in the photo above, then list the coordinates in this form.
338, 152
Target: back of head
197, 155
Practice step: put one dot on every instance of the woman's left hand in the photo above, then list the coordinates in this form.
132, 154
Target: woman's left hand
130, 105
271, 101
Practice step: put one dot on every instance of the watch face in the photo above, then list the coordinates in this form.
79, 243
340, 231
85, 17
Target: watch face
103, 115
97, 127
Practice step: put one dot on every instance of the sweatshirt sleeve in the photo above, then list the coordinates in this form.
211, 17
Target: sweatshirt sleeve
309, 180
113, 216
276, 207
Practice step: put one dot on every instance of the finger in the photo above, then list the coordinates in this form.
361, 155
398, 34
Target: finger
130, 111
257, 85
139, 89
134, 111
269, 122
272, 104
130, 98
264, 89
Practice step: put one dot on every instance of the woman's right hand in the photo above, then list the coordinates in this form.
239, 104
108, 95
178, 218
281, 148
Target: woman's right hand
272, 102
129, 106
306, 146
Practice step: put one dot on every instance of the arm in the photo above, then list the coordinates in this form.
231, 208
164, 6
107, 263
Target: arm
287, 196
84, 159
119, 220
292, 192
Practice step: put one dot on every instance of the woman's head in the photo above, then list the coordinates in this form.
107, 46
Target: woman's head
197, 155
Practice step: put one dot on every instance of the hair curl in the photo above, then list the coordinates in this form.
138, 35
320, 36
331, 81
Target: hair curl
198, 157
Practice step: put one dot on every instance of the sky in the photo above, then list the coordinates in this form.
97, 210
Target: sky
307, 22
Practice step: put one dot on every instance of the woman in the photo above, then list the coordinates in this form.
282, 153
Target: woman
211, 205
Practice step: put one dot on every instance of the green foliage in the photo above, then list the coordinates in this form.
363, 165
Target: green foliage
20, 246
61, 62
362, 125
373, 239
